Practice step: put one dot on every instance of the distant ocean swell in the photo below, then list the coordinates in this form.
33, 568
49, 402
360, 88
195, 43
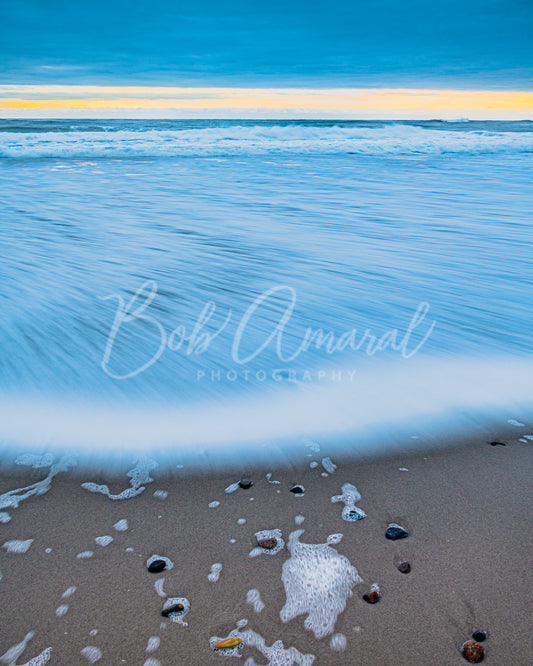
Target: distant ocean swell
389, 139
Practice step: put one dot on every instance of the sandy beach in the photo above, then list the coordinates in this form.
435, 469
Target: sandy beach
466, 508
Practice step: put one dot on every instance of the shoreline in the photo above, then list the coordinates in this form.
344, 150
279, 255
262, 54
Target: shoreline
465, 507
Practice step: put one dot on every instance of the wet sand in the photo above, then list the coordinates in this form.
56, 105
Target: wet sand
466, 507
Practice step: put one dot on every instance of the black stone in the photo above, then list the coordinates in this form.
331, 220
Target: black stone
157, 566
404, 567
176, 608
245, 484
394, 533
479, 636
297, 490
498, 444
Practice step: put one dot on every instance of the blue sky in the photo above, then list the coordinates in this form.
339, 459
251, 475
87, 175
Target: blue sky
382, 43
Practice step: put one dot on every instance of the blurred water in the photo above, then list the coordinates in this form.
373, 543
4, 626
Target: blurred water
357, 223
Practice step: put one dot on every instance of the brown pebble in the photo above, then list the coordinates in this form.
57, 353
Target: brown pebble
371, 597
404, 567
267, 543
473, 652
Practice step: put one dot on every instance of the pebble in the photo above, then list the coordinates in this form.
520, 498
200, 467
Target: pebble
228, 643
267, 543
371, 597
175, 608
498, 444
245, 484
404, 567
472, 652
157, 566
395, 531
297, 490
479, 636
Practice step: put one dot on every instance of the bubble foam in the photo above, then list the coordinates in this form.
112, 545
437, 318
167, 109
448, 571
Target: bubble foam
318, 581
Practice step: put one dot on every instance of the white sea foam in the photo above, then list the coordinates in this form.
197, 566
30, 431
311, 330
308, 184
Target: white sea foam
269, 478
139, 475
214, 504
17, 546
241, 521
299, 519
12, 498
232, 488
516, 423
329, 465
85, 555
61, 610
4, 517
350, 495
121, 525
276, 654
153, 644
104, 540
91, 653
318, 581
68, 592
151, 662
253, 597
11, 657
214, 575
338, 642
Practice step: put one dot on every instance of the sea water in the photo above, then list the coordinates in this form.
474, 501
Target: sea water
206, 284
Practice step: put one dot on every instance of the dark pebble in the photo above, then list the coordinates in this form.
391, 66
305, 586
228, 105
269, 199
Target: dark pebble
479, 636
176, 608
394, 533
472, 652
245, 484
404, 567
268, 543
297, 490
371, 597
498, 444
157, 566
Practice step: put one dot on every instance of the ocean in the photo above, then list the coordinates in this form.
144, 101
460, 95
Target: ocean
212, 285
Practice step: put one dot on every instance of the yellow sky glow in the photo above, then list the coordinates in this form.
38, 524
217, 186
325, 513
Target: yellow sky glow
173, 102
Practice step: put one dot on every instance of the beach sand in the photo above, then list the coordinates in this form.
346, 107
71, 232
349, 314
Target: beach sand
466, 506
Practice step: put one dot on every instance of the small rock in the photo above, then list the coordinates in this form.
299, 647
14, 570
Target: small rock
297, 490
371, 597
395, 532
267, 543
228, 643
479, 636
245, 484
404, 567
498, 444
157, 566
472, 652
175, 608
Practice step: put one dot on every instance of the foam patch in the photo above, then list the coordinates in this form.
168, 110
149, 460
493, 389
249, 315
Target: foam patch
350, 495
11, 657
318, 581
215, 572
254, 599
18, 547
139, 475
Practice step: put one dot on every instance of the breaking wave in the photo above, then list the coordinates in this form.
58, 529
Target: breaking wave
388, 139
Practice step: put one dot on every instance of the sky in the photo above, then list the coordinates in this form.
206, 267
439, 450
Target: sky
458, 45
